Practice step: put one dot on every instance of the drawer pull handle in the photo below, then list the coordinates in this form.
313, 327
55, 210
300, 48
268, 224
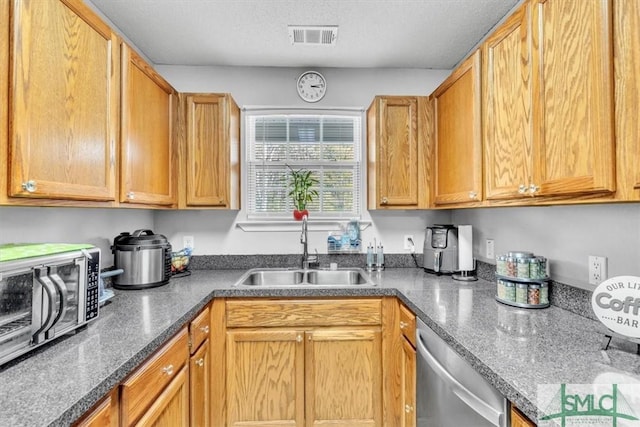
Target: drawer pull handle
473, 195
205, 329
168, 370
408, 408
384, 201
299, 338
522, 189
200, 362
403, 324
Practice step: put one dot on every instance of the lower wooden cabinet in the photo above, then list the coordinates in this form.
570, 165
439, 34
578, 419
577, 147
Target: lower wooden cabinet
171, 407
103, 414
199, 378
299, 372
519, 420
157, 393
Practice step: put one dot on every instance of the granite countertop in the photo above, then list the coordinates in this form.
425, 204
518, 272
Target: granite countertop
515, 349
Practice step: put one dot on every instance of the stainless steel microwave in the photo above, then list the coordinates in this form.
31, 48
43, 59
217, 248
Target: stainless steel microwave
46, 291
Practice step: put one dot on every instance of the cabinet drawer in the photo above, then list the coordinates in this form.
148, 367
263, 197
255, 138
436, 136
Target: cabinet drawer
303, 312
199, 330
140, 390
408, 324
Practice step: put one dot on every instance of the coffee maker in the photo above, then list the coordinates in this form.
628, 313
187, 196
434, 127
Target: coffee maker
440, 253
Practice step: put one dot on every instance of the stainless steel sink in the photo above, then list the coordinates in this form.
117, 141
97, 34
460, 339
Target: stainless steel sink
278, 278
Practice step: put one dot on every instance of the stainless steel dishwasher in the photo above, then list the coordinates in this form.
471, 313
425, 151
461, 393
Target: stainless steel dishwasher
449, 392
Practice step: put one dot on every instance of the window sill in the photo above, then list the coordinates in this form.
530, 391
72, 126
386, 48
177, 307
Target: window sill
286, 225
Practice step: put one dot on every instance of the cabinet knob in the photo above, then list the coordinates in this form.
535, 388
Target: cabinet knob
403, 324
221, 201
533, 189
299, 338
384, 201
200, 362
522, 189
168, 370
131, 195
473, 195
408, 408
29, 186
205, 329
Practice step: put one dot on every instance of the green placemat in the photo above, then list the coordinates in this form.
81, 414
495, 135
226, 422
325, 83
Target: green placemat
14, 251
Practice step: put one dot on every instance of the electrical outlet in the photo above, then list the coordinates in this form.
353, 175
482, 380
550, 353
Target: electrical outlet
409, 243
597, 269
490, 249
187, 242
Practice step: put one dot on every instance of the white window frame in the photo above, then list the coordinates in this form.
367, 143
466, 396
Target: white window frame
253, 222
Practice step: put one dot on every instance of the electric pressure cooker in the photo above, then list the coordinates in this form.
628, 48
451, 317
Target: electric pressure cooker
145, 258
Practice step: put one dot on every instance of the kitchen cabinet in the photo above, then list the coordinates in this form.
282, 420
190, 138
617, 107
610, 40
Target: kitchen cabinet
210, 151
398, 156
572, 88
200, 369
304, 362
158, 391
63, 111
626, 37
103, 414
407, 329
506, 108
149, 108
458, 139
519, 420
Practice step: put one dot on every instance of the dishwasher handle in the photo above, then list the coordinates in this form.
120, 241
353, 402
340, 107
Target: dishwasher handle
474, 402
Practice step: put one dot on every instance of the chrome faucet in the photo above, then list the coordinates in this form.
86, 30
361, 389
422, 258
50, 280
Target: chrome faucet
307, 261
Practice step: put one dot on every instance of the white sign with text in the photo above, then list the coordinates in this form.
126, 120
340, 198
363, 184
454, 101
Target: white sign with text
616, 303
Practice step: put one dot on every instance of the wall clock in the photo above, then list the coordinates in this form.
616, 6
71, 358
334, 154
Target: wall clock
311, 86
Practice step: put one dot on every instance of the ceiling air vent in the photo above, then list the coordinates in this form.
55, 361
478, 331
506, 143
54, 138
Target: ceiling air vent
320, 35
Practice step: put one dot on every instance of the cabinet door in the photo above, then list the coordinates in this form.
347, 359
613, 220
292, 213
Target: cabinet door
63, 111
148, 102
458, 156
199, 374
344, 377
627, 94
171, 407
265, 378
104, 414
506, 108
212, 154
518, 419
396, 148
408, 383
573, 97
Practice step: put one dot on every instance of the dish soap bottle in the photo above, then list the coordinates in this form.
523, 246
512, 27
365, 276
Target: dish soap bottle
353, 232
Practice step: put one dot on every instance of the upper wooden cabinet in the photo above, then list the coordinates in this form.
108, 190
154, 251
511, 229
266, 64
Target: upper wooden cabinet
211, 151
458, 139
573, 145
397, 153
148, 152
506, 108
63, 109
626, 26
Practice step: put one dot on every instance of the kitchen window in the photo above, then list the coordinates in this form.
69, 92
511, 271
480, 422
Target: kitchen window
329, 143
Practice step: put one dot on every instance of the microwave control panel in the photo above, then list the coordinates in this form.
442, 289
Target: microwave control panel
93, 273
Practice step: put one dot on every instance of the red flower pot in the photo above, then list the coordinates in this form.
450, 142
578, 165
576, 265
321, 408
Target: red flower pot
297, 215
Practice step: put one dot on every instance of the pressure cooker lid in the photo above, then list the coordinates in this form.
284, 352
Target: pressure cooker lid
140, 238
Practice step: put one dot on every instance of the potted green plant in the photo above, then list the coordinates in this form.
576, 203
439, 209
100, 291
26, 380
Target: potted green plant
301, 193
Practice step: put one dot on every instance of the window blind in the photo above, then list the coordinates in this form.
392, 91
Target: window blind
328, 145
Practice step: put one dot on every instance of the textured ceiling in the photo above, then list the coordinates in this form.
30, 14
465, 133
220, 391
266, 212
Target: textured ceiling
372, 33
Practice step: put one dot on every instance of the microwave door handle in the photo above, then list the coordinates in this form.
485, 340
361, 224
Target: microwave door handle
50, 290
471, 400
62, 289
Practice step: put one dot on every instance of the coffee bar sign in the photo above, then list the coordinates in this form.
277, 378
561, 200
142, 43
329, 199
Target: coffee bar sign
616, 303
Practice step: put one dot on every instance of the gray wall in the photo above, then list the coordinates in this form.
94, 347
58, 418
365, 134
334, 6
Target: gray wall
566, 235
